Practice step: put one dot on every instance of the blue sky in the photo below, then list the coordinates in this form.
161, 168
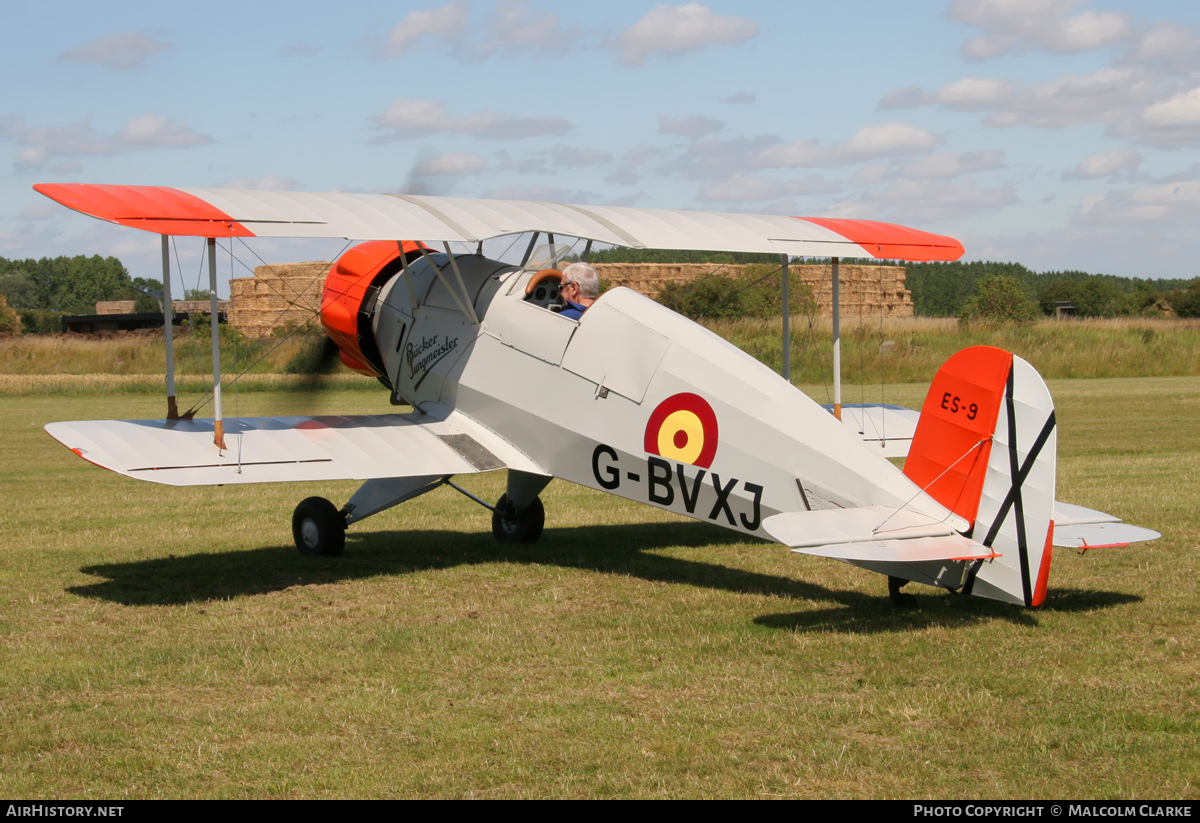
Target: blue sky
1053, 133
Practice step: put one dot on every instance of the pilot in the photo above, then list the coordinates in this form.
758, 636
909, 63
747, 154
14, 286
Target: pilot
580, 288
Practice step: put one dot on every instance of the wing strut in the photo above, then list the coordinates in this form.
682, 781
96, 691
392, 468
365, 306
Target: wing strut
467, 310
461, 285
218, 422
786, 371
169, 329
837, 345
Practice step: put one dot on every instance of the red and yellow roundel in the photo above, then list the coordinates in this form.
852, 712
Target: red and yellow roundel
683, 428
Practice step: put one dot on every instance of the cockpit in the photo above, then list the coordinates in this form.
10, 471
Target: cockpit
543, 288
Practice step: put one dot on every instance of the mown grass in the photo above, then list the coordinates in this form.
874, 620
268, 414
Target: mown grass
161, 642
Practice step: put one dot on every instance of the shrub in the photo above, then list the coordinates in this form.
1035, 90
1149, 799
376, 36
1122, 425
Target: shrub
1186, 302
41, 321
10, 321
1062, 290
998, 298
756, 292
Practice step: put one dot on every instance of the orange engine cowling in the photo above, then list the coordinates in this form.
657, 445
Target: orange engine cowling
348, 300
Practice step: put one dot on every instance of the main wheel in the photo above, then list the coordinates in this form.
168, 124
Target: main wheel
318, 528
511, 526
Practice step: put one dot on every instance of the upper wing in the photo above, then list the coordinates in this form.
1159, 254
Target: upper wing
238, 213
275, 449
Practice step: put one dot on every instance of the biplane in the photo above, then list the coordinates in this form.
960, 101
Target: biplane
630, 398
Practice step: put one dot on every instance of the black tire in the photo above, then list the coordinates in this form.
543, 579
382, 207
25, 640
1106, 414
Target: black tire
318, 528
511, 526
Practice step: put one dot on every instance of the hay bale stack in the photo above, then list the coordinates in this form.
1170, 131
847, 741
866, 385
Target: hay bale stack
282, 295
864, 289
115, 307
289, 294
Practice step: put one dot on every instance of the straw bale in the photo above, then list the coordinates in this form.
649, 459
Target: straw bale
289, 294
864, 289
281, 295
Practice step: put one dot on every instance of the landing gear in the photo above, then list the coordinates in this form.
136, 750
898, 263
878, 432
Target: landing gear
318, 528
899, 599
512, 526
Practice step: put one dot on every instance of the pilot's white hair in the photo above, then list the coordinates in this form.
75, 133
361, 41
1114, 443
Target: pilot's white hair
586, 277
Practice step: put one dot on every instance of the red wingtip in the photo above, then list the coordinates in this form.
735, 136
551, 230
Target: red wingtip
888, 241
157, 209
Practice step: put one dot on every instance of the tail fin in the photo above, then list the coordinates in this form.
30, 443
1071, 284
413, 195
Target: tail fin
985, 448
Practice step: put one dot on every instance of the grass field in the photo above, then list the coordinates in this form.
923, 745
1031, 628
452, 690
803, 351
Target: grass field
160, 642
909, 349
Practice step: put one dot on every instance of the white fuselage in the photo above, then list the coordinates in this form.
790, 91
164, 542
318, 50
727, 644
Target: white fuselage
578, 396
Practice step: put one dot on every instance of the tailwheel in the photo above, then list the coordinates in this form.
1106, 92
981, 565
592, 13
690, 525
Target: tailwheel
318, 528
512, 526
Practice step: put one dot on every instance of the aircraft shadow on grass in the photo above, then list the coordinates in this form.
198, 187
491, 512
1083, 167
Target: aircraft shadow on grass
614, 549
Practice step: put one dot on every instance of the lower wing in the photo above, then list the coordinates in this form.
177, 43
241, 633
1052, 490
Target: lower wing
280, 449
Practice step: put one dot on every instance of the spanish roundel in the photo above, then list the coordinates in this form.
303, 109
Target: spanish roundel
683, 428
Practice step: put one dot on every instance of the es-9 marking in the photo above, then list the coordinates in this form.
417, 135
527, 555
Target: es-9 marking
955, 404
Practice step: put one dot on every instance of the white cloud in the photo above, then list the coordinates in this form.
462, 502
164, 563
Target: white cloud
740, 189
66, 167
673, 30
868, 143
126, 51
626, 172
573, 158
448, 24
408, 117
1107, 95
1144, 204
1164, 40
1021, 25
147, 131
268, 183
929, 200
719, 159
694, 126
529, 165
1181, 110
952, 164
870, 174
741, 98
627, 199
40, 210
1104, 164
454, 163
545, 193
513, 30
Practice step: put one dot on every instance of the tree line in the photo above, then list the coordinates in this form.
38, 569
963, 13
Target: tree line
40, 292
952, 289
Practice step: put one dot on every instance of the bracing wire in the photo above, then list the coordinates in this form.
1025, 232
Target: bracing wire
191, 319
240, 373
237, 409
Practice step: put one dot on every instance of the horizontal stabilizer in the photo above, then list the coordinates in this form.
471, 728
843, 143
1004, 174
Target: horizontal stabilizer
915, 550
277, 449
870, 523
1068, 514
1100, 535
